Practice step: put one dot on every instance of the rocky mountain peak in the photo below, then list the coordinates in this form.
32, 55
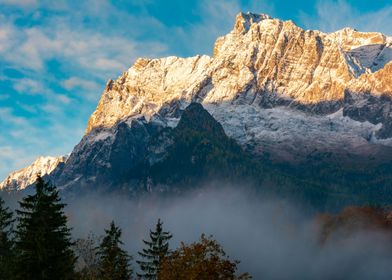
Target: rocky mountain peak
262, 61
243, 21
22, 178
196, 118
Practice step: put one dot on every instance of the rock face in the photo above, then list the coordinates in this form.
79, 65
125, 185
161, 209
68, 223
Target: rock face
274, 87
283, 93
138, 155
264, 62
42, 166
106, 156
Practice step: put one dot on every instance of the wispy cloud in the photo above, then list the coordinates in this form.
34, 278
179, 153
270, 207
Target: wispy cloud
333, 15
217, 19
14, 158
7, 116
20, 3
29, 86
100, 54
76, 82
27, 138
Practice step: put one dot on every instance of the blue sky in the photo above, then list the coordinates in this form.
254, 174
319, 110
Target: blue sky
56, 56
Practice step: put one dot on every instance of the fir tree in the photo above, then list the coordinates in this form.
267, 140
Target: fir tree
157, 249
114, 262
6, 241
43, 240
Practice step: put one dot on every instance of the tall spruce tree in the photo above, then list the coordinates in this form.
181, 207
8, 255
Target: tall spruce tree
6, 242
157, 249
43, 240
114, 262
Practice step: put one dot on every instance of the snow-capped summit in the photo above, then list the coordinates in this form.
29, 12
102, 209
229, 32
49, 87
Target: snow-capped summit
22, 178
244, 21
263, 61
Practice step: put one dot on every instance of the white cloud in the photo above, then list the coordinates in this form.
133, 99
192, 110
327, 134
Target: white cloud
29, 86
13, 159
7, 116
29, 108
5, 35
82, 48
217, 19
63, 99
88, 88
26, 139
334, 15
76, 82
21, 3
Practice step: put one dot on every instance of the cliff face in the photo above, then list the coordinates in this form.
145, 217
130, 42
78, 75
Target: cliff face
21, 179
264, 62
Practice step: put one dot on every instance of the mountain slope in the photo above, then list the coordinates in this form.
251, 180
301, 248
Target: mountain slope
22, 178
200, 150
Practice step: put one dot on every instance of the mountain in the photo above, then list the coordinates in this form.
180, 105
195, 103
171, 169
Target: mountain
273, 86
147, 155
21, 179
303, 104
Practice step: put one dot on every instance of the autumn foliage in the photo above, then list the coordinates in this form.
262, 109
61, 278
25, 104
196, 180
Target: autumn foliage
354, 219
204, 259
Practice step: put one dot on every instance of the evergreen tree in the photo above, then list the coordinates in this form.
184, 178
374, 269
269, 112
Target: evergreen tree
43, 240
114, 262
157, 249
6, 242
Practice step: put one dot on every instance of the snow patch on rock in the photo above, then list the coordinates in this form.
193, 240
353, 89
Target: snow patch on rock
23, 178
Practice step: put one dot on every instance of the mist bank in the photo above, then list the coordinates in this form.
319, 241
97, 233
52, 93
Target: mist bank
273, 238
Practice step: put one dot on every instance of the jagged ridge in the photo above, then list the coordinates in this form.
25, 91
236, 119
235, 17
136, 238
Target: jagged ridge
22, 178
263, 61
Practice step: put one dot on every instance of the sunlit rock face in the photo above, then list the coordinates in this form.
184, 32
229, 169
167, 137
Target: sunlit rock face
22, 178
264, 62
275, 87
291, 95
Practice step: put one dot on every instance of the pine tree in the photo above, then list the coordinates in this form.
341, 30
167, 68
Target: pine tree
6, 241
157, 249
43, 240
114, 262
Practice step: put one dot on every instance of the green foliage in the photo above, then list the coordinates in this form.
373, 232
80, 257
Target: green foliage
43, 240
157, 249
7, 255
114, 262
201, 151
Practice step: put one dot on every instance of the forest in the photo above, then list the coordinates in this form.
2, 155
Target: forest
36, 243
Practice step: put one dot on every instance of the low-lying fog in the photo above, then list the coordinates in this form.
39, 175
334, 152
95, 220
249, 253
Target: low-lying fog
271, 238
